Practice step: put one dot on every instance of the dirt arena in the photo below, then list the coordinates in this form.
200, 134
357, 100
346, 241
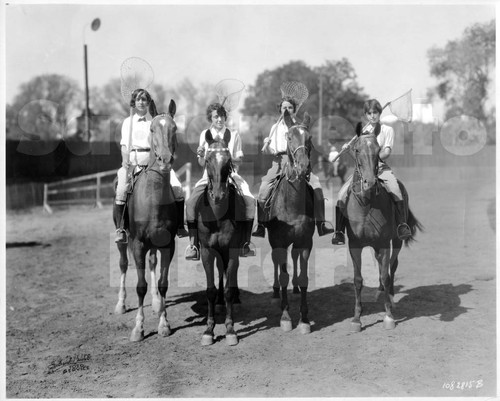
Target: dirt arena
64, 341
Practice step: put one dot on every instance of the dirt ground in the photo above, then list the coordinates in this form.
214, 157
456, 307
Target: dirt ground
63, 339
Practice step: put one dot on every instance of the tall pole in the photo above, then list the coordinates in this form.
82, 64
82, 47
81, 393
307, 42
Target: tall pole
87, 110
320, 126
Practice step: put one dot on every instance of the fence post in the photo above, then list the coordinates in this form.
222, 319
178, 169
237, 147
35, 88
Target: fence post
98, 192
46, 206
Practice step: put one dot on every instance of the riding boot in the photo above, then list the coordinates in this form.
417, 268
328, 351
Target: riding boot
181, 231
340, 222
247, 249
319, 213
261, 229
193, 249
118, 212
403, 230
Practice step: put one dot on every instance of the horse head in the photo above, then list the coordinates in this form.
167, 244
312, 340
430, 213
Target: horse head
163, 138
366, 155
219, 165
299, 144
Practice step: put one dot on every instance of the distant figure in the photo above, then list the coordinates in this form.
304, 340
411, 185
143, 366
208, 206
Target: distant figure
331, 157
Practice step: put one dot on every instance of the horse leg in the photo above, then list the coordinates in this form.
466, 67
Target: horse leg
142, 288
276, 283
220, 288
208, 259
230, 293
396, 248
166, 255
383, 258
279, 259
295, 256
304, 324
120, 307
155, 296
358, 285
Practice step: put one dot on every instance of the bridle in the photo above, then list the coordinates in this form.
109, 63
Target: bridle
291, 153
358, 170
210, 186
158, 157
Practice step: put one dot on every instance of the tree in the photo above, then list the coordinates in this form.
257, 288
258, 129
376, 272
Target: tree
44, 107
464, 70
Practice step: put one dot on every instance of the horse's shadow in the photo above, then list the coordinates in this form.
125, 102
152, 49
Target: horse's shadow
335, 304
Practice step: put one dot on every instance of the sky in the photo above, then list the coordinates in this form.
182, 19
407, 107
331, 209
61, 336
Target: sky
386, 44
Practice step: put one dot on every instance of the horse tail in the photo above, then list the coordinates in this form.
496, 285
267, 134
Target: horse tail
414, 225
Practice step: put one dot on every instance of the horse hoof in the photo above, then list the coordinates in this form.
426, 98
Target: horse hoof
120, 309
137, 335
231, 339
389, 323
164, 331
305, 328
286, 325
355, 327
207, 339
296, 290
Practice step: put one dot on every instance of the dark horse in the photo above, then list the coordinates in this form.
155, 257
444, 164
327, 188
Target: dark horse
371, 222
220, 234
152, 223
291, 220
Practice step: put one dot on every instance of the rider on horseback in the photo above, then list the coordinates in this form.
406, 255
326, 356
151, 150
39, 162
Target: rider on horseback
217, 115
137, 157
278, 147
385, 139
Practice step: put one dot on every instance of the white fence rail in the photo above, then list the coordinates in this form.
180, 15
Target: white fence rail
77, 190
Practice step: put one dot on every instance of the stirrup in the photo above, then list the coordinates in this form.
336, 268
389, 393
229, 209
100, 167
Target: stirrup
121, 236
193, 255
404, 231
248, 249
323, 229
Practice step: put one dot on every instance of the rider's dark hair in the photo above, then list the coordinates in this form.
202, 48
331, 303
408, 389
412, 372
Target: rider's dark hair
290, 100
219, 108
372, 104
143, 93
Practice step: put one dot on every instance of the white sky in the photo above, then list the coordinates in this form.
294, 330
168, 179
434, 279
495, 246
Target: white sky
387, 44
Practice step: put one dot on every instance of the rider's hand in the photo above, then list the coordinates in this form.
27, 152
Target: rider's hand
200, 151
345, 146
126, 164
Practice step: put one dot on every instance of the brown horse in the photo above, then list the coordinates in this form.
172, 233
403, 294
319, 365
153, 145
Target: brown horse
220, 233
291, 221
371, 222
152, 224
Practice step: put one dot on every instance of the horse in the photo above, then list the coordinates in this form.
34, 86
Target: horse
291, 221
220, 235
370, 212
152, 225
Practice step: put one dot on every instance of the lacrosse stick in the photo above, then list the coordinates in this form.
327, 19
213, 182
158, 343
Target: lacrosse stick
400, 107
299, 93
136, 73
229, 92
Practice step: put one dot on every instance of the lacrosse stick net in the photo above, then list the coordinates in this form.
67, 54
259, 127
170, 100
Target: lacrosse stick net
402, 107
136, 73
229, 92
296, 90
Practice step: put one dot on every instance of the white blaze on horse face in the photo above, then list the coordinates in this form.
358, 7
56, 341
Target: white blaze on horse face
219, 157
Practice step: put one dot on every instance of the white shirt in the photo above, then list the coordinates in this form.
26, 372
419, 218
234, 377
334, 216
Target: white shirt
333, 154
140, 132
234, 144
278, 142
386, 137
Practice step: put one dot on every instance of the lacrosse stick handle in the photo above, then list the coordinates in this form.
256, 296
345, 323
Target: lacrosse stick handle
268, 139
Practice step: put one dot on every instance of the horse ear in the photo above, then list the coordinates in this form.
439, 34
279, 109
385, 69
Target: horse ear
227, 137
288, 119
307, 119
172, 108
359, 127
378, 127
209, 137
